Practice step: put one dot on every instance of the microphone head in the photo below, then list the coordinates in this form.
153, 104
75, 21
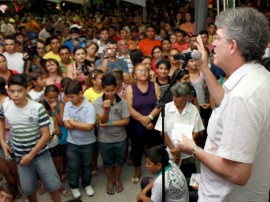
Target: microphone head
196, 55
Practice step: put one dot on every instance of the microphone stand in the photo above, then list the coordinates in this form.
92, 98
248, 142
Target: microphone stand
161, 104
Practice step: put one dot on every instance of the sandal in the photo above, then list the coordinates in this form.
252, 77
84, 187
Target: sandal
41, 189
110, 190
64, 192
135, 180
119, 188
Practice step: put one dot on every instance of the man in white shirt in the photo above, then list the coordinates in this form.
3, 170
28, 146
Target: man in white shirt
235, 160
7, 28
14, 59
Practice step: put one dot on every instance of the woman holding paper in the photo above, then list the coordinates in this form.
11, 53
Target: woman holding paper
181, 117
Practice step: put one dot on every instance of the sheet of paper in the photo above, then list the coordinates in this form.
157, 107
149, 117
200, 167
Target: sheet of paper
179, 129
195, 179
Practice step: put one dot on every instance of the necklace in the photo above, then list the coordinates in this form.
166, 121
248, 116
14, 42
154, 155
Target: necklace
54, 79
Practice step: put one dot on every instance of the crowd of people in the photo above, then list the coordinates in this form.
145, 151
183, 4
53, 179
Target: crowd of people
72, 88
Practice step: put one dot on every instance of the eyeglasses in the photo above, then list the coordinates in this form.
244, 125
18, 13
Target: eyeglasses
142, 71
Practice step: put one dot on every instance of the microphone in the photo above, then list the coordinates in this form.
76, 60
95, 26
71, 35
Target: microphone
184, 57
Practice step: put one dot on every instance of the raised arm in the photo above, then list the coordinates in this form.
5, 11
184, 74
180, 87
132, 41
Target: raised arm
215, 90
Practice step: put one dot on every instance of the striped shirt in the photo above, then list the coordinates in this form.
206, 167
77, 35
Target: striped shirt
25, 124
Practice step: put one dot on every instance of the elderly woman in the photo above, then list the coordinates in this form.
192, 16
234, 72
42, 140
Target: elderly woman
180, 111
141, 98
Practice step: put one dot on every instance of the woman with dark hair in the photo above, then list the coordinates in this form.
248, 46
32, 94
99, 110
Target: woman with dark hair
163, 78
141, 97
4, 71
82, 65
157, 54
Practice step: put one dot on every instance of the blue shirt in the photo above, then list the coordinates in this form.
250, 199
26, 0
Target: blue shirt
84, 113
118, 64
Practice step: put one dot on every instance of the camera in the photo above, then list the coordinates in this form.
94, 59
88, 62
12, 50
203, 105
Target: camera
84, 69
31, 51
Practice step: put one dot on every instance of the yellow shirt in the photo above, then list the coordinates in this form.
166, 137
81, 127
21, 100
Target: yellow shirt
52, 55
91, 95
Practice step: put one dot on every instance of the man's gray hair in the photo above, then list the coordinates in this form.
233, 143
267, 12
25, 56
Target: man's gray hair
181, 89
249, 28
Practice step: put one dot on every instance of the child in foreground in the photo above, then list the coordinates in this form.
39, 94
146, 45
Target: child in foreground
29, 123
79, 118
176, 188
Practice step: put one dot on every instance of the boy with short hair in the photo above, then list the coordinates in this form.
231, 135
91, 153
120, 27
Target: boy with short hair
29, 127
8, 192
79, 118
181, 43
175, 183
113, 115
39, 83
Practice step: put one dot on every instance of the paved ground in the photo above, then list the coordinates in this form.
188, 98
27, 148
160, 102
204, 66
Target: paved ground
99, 183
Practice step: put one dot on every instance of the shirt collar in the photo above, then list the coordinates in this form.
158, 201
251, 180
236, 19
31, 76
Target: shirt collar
239, 74
172, 108
166, 168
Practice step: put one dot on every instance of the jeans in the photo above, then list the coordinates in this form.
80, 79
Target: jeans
79, 162
41, 165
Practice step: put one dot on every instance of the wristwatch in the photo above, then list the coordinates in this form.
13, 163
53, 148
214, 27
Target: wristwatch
194, 150
106, 57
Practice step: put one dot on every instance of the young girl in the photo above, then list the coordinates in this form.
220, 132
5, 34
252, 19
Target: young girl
94, 85
83, 66
54, 72
53, 143
92, 93
57, 108
63, 84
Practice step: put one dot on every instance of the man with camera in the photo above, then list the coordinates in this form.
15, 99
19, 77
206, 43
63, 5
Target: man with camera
110, 61
34, 57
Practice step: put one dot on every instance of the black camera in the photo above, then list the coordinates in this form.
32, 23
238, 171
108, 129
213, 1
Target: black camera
84, 69
31, 51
